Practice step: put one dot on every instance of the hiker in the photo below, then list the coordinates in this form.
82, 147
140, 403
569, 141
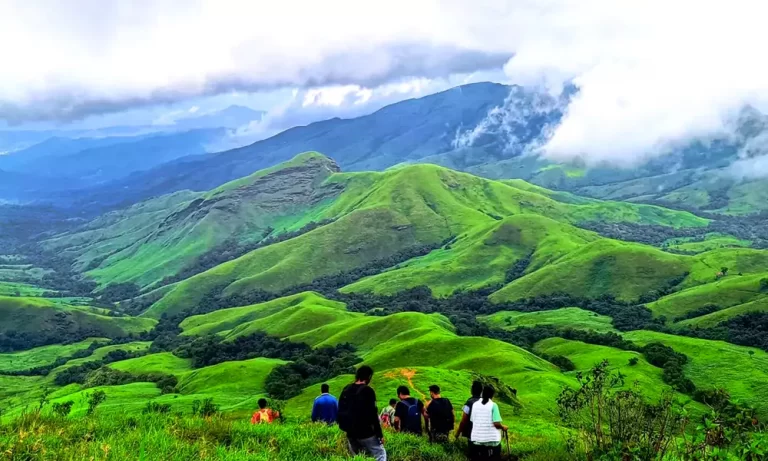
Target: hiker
465, 425
408, 413
387, 416
359, 417
264, 415
440, 415
486, 427
325, 407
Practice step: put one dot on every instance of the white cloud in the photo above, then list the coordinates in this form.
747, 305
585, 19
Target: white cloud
651, 73
70, 59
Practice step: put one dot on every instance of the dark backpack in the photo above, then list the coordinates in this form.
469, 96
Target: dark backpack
468, 427
440, 413
413, 418
347, 414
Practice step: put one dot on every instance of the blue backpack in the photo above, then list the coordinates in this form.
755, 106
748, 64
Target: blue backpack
413, 422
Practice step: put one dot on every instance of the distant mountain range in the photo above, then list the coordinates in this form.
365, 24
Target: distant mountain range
487, 129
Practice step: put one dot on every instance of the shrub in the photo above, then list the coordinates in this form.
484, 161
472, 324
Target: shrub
633, 361
95, 399
62, 409
204, 409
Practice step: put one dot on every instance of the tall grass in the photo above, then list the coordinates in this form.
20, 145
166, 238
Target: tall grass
176, 437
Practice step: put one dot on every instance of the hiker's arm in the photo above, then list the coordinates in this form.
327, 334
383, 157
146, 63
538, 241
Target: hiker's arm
426, 417
501, 427
374, 413
462, 423
315, 411
397, 423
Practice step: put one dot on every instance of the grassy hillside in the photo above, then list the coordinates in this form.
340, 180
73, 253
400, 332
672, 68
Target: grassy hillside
36, 315
163, 236
567, 317
40, 356
740, 370
380, 214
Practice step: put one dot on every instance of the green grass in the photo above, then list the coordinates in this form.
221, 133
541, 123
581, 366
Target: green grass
715, 364
585, 356
40, 356
379, 214
711, 242
31, 315
233, 379
481, 257
163, 362
149, 241
624, 270
568, 317
309, 305
714, 319
21, 289
728, 291
173, 438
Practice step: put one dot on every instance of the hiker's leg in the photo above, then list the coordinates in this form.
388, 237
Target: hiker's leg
374, 448
354, 446
496, 453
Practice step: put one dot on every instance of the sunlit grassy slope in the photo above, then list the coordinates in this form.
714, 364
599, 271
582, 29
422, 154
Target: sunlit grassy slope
35, 314
155, 239
379, 214
743, 371
568, 317
40, 356
645, 376
728, 291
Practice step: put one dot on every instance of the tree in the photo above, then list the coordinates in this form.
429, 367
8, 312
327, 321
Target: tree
95, 399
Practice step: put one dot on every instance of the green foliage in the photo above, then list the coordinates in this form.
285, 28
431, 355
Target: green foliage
286, 381
633, 361
62, 409
95, 399
179, 438
205, 408
764, 284
154, 407
615, 424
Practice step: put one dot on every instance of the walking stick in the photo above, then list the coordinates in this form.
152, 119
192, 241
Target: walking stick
509, 451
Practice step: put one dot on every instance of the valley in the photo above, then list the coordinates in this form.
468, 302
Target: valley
269, 284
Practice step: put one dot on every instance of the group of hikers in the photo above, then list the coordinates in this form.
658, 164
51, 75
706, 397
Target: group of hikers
357, 415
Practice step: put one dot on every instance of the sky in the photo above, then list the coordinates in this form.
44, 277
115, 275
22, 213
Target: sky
651, 74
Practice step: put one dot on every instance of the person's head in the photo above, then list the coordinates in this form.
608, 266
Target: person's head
434, 391
262, 403
364, 374
477, 389
325, 388
392, 402
403, 392
488, 392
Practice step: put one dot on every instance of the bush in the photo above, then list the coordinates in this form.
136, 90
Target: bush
62, 409
204, 409
95, 399
154, 407
633, 361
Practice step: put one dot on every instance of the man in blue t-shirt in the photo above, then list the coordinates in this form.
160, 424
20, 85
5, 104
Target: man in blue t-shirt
326, 407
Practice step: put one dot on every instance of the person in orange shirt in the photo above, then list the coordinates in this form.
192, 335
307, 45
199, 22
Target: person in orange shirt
264, 415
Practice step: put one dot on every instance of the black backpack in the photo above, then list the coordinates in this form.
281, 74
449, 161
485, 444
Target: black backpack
440, 413
413, 418
347, 414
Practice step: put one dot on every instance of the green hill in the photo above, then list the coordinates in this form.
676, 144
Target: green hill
159, 238
379, 215
40, 316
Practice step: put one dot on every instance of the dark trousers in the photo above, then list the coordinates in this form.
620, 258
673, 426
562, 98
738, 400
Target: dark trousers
485, 453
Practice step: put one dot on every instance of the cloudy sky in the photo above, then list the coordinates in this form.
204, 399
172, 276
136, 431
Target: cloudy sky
650, 73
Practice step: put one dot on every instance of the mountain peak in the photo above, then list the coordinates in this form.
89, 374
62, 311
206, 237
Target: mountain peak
309, 163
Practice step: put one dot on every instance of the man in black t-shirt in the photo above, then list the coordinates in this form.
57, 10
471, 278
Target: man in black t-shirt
359, 417
408, 412
440, 413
